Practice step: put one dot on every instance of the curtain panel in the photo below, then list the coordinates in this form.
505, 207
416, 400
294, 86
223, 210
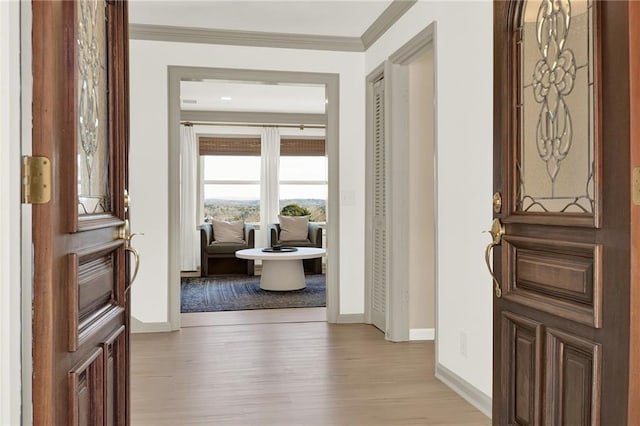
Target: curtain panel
188, 199
270, 178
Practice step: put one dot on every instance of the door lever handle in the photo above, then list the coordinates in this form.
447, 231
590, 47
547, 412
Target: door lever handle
497, 231
125, 235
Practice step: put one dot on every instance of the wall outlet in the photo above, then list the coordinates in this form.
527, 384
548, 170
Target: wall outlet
463, 344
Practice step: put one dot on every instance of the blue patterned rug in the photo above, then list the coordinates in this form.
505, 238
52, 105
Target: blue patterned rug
240, 293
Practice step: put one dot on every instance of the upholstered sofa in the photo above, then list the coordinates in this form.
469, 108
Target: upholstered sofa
220, 258
314, 239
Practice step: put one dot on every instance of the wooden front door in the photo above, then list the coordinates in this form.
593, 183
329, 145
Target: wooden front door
562, 177
80, 124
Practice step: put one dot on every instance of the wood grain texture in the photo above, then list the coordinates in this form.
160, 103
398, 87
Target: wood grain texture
521, 376
634, 95
563, 278
573, 380
65, 315
289, 374
608, 229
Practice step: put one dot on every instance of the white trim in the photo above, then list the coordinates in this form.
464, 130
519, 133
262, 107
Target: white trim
466, 390
26, 54
422, 334
332, 87
350, 319
137, 326
244, 38
10, 361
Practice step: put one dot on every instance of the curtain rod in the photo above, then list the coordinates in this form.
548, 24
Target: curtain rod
213, 123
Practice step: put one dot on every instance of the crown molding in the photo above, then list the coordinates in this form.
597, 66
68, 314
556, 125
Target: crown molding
244, 38
266, 39
389, 17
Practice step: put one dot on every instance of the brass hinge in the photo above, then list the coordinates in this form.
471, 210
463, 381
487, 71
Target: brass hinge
36, 180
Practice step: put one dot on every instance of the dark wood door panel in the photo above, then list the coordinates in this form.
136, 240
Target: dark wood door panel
573, 380
86, 394
559, 277
521, 369
115, 378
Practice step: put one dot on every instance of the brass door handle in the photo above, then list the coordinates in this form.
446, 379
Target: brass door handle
497, 231
136, 256
125, 235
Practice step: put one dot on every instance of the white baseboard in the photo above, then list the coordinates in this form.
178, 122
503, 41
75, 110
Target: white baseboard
138, 326
465, 389
350, 318
422, 334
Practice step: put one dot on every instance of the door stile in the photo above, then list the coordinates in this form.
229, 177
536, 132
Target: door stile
634, 335
44, 26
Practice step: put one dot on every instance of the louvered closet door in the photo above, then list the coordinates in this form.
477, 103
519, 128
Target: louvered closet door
380, 246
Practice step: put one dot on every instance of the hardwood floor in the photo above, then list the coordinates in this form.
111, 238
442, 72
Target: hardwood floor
310, 373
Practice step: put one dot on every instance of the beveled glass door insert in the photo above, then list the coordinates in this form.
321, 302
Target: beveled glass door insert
555, 153
94, 195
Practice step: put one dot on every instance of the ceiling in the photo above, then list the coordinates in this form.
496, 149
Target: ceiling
308, 17
214, 96
312, 17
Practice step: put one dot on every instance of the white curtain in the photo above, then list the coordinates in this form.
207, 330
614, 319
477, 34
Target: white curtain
188, 198
270, 179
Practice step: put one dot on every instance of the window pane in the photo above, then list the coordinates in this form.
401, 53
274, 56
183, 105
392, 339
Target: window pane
557, 126
231, 167
303, 168
232, 202
313, 197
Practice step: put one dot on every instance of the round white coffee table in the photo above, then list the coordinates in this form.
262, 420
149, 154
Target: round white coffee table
282, 271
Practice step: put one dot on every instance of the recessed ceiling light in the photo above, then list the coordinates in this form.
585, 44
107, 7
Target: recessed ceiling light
225, 98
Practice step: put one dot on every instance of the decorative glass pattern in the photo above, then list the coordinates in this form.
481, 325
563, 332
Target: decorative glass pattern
555, 164
92, 130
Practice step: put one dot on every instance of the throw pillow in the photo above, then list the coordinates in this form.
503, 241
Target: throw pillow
228, 232
294, 228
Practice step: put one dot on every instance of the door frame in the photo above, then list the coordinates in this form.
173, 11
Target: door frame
15, 218
395, 72
331, 83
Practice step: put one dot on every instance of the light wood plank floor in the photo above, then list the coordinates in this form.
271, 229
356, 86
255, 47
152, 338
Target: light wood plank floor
296, 374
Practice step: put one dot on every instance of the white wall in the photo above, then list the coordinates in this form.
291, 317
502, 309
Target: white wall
148, 163
464, 76
10, 387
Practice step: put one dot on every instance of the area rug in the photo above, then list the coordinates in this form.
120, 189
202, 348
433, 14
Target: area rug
240, 293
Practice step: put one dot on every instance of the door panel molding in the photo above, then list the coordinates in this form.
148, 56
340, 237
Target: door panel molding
86, 398
559, 277
521, 386
573, 380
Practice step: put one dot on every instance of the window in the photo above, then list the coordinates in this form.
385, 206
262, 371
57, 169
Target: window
230, 172
303, 181
231, 187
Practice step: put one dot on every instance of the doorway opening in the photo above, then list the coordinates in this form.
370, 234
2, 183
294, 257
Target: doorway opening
401, 196
211, 123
